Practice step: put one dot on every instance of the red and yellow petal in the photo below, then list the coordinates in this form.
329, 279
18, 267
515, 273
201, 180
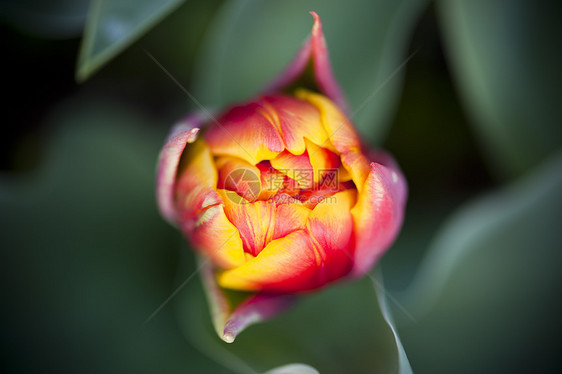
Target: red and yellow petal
238, 175
246, 132
286, 162
271, 180
322, 160
182, 134
200, 210
289, 218
196, 182
339, 129
255, 221
296, 167
303, 259
342, 136
378, 214
331, 229
261, 222
297, 119
217, 238
356, 166
287, 264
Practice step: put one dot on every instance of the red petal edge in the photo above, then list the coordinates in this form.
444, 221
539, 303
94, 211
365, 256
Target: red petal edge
182, 133
314, 48
257, 308
387, 189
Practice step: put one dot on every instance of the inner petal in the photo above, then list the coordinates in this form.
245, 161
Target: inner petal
296, 167
239, 176
261, 222
298, 119
323, 161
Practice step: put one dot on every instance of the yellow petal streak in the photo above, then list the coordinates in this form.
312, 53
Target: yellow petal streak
341, 134
302, 259
216, 237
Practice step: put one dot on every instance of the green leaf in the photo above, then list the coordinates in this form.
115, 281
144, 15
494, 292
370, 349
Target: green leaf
112, 26
252, 41
345, 328
52, 19
489, 287
403, 363
506, 61
85, 257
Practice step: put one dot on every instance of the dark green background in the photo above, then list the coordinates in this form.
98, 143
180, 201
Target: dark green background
473, 119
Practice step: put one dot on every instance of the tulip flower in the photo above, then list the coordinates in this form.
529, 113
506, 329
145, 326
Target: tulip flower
277, 194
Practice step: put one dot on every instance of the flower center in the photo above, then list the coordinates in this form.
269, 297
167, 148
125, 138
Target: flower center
269, 200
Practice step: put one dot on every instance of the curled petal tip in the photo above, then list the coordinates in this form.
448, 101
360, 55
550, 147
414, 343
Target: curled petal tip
317, 22
229, 321
257, 308
192, 135
315, 52
228, 337
317, 26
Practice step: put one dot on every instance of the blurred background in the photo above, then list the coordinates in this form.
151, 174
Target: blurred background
465, 94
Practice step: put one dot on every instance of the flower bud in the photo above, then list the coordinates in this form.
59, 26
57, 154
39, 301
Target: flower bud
278, 192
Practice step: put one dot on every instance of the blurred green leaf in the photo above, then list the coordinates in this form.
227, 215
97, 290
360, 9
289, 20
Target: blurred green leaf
85, 257
487, 295
112, 26
252, 41
403, 365
52, 19
506, 61
341, 329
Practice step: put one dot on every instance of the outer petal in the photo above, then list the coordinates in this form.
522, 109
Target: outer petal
287, 265
182, 133
331, 226
195, 184
313, 53
378, 213
200, 209
246, 131
187, 197
230, 320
